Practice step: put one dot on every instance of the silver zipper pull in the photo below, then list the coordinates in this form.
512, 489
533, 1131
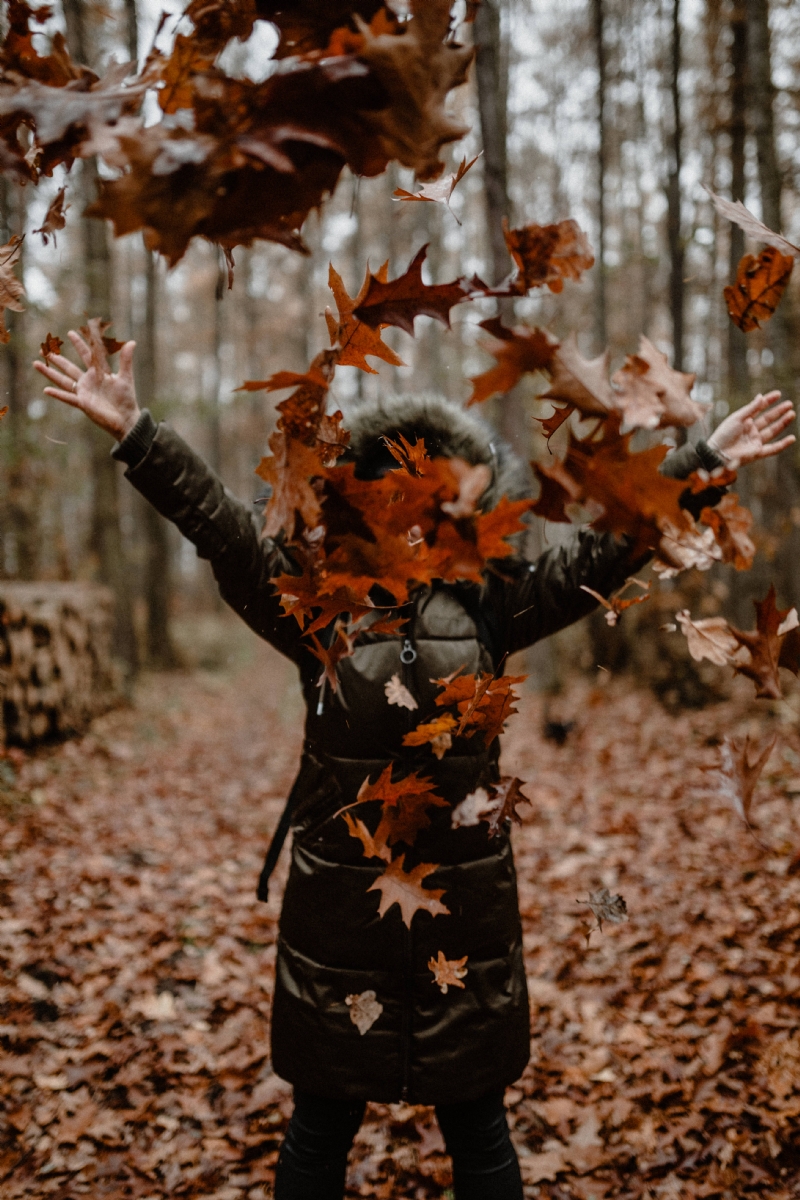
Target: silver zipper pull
408, 654
321, 701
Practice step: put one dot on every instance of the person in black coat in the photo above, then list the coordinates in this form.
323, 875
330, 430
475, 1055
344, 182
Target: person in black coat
356, 1013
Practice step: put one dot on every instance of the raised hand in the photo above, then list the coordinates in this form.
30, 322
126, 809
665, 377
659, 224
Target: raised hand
749, 433
109, 400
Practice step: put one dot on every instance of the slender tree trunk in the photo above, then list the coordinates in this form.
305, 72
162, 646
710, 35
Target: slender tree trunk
674, 223
21, 474
159, 648
491, 72
214, 429
737, 343
106, 533
161, 653
600, 315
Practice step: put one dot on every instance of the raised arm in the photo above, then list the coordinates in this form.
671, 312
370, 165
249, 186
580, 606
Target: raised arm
182, 487
529, 601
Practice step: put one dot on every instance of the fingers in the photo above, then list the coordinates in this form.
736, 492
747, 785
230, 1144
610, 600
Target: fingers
66, 382
65, 364
126, 359
776, 447
770, 415
81, 346
768, 432
68, 397
755, 406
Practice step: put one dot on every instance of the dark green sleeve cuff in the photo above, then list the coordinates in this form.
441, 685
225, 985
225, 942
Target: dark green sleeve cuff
134, 446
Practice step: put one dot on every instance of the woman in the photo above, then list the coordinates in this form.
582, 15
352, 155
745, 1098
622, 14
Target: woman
456, 1051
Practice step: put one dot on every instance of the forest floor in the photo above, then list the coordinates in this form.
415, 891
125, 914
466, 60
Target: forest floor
138, 966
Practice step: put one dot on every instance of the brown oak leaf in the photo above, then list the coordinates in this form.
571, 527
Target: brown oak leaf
518, 350
731, 523
399, 301
54, 217
441, 191
11, 290
738, 776
51, 345
405, 889
448, 973
546, 255
507, 795
764, 645
757, 290
354, 338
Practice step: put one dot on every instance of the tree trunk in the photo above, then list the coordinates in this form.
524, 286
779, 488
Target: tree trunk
491, 72
161, 653
600, 316
674, 224
214, 430
21, 475
737, 343
106, 533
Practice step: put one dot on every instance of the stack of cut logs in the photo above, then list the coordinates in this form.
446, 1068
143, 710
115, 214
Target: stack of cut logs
56, 669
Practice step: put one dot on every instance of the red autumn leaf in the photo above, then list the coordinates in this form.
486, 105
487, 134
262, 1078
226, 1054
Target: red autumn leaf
764, 644
553, 423
51, 345
288, 472
410, 457
341, 646
517, 351
545, 255
760, 282
483, 702
507, 794
732, 523
399, 301
391, 791
405, 889
54, 217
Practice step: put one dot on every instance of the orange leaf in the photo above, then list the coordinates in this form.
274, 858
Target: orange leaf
517, 351
51, 345
732, 523
439, 733
546, 255
760, 283
448, 972
374, 847
405, 889
353, 337
410, 457
330, 656
54, 218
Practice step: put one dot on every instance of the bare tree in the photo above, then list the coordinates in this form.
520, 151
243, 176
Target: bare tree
737, 128
106, 533
600, 313
674, 221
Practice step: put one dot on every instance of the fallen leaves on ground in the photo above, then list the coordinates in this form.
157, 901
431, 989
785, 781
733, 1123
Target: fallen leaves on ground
139, 964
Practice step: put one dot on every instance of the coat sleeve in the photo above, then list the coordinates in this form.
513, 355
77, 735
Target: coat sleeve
525, 602
184, 489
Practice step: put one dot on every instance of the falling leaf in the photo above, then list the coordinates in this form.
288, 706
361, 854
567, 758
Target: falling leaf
735, 211
365, 1008
708, 638
472, 483
397, 693
374, 846
448, 972
341, 646
673, 387
731, 523
764, 645
391, 790
617, 605
51, 345
440, 191
354, 338
760, 282
411, 458
546, 255
398, 301
11, 290
54, 217
553, 423
405, 889
581, 382
439, 733
607, 908
518, 350
508, 794
3, 411
738, 776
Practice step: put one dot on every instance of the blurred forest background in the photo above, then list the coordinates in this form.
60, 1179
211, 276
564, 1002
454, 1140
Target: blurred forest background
614, 112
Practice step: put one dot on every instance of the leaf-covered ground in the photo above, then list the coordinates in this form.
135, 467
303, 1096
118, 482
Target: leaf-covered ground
137, 965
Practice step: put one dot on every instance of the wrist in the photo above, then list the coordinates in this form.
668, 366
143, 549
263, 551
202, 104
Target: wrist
129, 423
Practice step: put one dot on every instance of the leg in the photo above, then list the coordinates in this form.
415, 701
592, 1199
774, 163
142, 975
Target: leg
313, 1159
485, 1165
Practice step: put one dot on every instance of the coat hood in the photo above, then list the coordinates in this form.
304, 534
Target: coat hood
448, 431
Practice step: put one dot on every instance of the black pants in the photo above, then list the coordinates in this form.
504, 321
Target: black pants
313, 1160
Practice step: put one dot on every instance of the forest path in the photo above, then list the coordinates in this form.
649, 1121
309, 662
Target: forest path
138, 966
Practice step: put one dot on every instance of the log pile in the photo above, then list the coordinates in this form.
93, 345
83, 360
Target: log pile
56, 667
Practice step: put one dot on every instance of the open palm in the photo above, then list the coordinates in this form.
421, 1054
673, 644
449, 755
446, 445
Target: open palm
750, 432
108, 399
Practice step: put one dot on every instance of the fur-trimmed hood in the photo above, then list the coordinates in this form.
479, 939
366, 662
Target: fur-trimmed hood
448, 431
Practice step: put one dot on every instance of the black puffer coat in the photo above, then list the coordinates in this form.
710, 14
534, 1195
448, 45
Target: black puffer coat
425, 1046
